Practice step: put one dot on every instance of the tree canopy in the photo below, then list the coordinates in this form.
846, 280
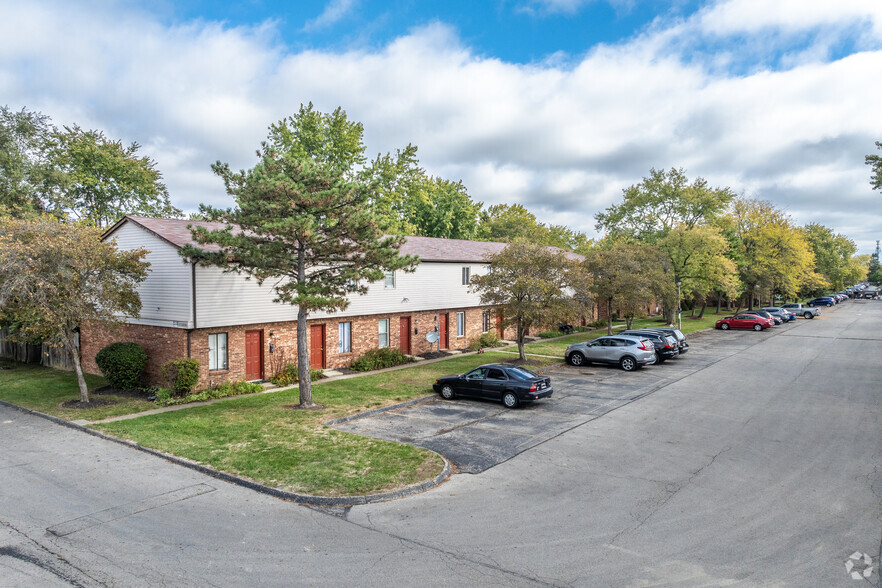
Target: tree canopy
875, 162
55, 276
302, 220
531, 284
74, 172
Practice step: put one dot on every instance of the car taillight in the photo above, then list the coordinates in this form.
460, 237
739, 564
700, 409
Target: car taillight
533, 387
643, 346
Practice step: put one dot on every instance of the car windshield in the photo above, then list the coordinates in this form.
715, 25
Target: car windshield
520, 373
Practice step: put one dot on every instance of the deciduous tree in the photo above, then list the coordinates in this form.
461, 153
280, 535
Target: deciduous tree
56, 276
103, 180
531, 284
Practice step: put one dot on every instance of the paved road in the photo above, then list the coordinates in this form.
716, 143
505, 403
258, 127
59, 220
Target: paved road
760, 469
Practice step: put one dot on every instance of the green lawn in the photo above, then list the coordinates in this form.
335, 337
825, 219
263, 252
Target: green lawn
45, 390
263, 438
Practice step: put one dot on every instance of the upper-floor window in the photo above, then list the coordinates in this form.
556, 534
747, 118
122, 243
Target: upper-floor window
466, 275
217, 351
384, 333
390, 279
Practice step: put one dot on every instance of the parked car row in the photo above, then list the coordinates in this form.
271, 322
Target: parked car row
631, 349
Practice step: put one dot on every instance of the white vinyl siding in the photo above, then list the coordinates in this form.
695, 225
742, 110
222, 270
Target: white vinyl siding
229, 299
217, 351
383, 339
344, 334
166, 295
460, 324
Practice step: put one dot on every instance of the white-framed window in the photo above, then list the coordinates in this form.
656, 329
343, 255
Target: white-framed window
390, 279
217, 351
485, 321
383, 340
466, 275
344, 337
460, 324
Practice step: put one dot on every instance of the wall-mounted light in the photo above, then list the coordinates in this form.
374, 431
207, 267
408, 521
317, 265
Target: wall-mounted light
271, 333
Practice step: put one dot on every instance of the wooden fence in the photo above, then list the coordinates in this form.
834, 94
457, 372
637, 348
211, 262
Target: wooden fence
56, 357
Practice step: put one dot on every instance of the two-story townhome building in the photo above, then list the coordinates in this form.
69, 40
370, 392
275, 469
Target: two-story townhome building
231, 325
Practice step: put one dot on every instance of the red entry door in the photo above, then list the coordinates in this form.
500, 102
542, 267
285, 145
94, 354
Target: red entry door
317, 347
404, 335
499, 329
253, 355
443, 341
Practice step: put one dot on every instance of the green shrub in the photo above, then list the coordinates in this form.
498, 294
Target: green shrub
488, 339
122, 364
600, 323
289, 375
164, 397
181, 375
376, 359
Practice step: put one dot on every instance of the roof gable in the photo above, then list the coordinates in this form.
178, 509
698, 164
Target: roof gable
175, 231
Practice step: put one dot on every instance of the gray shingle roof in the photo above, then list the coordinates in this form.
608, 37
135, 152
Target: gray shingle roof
175, 231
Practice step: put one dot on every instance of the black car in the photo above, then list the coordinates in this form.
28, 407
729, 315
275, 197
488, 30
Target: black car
510, 384
666, 346
676, 334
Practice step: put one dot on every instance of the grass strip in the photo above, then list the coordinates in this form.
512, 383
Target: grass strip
265, 439
46, 390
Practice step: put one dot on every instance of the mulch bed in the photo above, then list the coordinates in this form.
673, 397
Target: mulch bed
299, 407
93, 403
435, 355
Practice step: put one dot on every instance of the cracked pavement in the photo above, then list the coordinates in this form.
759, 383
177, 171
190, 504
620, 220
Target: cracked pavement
756, 464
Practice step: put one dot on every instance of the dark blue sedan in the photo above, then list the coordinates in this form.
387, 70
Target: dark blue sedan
509, 384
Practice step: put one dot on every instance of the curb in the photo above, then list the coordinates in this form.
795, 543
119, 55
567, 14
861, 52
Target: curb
256, 486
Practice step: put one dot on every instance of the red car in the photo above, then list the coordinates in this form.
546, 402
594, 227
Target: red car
745, 321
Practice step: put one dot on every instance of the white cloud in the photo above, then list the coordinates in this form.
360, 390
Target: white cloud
563, 141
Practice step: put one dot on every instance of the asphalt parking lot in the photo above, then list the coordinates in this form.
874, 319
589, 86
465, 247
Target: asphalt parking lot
477, 435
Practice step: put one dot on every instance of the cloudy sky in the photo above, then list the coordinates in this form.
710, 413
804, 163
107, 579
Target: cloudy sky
554, 104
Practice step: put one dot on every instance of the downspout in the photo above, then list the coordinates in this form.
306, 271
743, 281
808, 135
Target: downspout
192, 304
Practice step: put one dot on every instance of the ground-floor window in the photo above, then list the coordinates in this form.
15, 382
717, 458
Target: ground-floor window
344, 337
217, 351
384, 334
485, 321
460, 324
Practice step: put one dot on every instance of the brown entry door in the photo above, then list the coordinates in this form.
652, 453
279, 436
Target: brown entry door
317, 347
404, 335
253, 355
443, 341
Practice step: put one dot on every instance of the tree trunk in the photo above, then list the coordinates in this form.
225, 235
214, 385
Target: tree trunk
703, 307
629, 322
521, 330
304, 385
718, 304
609, 316
74, 352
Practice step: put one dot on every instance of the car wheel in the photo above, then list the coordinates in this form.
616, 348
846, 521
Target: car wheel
576, 358
447, 392
510, 400
628, 364
659, 359
809, 315
829, 305
725, 326
757, 327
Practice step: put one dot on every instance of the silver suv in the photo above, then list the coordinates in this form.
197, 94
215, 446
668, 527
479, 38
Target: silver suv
628, 351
